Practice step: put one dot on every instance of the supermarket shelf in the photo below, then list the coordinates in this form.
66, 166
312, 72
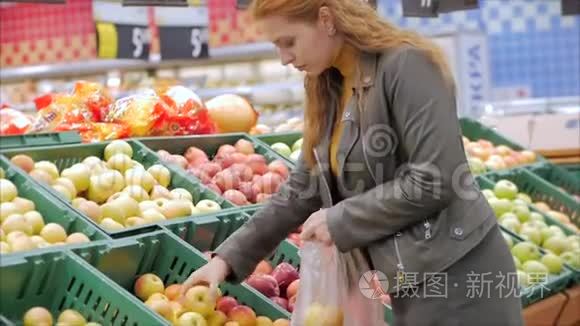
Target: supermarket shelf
246, 52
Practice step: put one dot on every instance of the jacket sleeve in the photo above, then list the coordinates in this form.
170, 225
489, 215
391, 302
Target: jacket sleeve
284, 212
424, 115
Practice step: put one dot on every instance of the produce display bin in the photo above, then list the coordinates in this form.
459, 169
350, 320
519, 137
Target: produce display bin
207, 232
553, 285
40, 139
210, 145
66, 156
168, 257
559, 177
52, 211
541, 190
59, 281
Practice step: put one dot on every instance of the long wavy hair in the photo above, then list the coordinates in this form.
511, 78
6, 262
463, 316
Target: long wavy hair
362, 28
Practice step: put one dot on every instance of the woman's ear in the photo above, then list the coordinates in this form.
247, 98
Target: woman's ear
326, 20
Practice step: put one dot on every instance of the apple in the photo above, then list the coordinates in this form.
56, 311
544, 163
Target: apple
264, 321
7, 209
79, 174
37, 316
317, 314
225, 149
178, 160
213, 187
53, 233
163, 308
532, 234
148, 204
293, 288
232, 323
236, 197
279, 167
191, 319
226, 180
152, 216
525, 251
244, 146
297, 145
39, 241
249, 190
195, 154
295, 156
211, 169
536, 271
134, 221
225, 160
529, 156
239, 158
572, 258
161, 174
8, 191
488, 193
71, 317
217, 318
120, 162
176, 208
535, 216
21, 244
281, 322
281, 149
263, 267
104, 185
35, 220
265, 284
117, 147
500, 206
92, 210
206, 206
77, 238
244, 315
23, 205
243, 171
199, 299
226, 303
16, 222
285, 274
281, 302
292, 303
5, 247
47, 167
140, 177
505, 189
524, 197
147, 285
557, 244
270, 183
24, 162
136, 192
64, 192
553, 263
258, 164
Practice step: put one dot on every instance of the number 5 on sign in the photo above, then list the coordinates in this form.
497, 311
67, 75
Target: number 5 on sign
196, 42
140, 38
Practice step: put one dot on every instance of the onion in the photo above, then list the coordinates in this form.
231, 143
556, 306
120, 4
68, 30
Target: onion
232, 113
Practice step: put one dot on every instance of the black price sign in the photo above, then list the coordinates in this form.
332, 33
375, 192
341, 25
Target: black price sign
420, 8
457, 5
570, 7
184, 42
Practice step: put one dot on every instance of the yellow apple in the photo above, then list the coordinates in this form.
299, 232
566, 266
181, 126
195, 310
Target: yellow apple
37, 316
191, 319
117, 147
68, 184
63, 191
199, 299
35, 220
180, 193
176, 208
24, 205
16, 222
148, 284
77, 238
136, 192
71, 317
139, 177
4, 247
134, 221
47, 167
152, 216
161, 174
53, 233
79, 174
8, 191
111, 225
7, 209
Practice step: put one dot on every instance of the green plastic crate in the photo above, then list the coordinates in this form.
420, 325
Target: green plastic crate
66, 156
541, 190
559, 177
207, 232
59, 281
209, 144
51, 210
40, 139
288, 138
554, 283
167, 256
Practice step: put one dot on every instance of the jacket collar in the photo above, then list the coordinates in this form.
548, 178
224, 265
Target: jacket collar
368, 65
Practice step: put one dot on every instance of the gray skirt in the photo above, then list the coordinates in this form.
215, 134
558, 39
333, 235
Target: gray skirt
479, 289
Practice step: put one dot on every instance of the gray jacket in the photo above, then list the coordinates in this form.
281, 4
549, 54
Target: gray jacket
409, 199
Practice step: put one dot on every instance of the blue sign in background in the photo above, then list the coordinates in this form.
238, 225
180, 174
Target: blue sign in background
531, 44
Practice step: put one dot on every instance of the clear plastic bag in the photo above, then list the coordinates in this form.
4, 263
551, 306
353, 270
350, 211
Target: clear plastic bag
329, 292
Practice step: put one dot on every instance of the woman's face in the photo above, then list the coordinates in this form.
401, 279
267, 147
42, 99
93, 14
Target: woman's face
308, 47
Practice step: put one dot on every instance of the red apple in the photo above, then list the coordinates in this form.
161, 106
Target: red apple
291, 303
244, 315
263, 267
226, 180
256, 178
292, 289
262, 198
285, 274
485, 143
204, 177
244, 146
244, 172
236, 197
280, 301
211, 169
148, 284
257, 163
265, 284
195, 154
249, 190
270, 183
225, 149
225, 304
193, 170
279, 167
213, 187
178, 160
225, 161
239, 158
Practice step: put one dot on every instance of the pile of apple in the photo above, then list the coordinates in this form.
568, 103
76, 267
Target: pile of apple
117, 192
512, 210
23, 228
280, 284
41, 316
290, 152
484, 156
236, 172
196, 307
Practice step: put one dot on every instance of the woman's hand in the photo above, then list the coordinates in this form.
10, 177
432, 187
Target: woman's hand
213, 273
316, 228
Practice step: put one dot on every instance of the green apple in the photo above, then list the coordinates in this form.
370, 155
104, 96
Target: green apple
206, 206
476, 165
500, 206
524, 197
519, 202
137, 192
510, 223
557, 244
140, 177
572, 258
517, 263
297, 145
120, 162
282, 149
537, 272
80, 175
118, 147
488, 193
553, 263
295, 155
505, 189
540, 225
532, 234
535, 216
574, 241
161, 174
525, 251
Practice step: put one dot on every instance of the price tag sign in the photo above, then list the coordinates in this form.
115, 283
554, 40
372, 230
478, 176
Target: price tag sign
570, 7
183, 32
420, 8
457, 5
122, 32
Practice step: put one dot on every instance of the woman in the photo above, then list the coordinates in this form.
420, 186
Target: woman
383, 169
